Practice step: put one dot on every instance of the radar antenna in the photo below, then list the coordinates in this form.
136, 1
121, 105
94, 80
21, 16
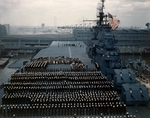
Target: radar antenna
104, 19
100, 14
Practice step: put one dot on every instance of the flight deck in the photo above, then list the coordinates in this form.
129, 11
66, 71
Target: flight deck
61, 82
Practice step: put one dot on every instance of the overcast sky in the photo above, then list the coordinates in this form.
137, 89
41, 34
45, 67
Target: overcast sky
71, 12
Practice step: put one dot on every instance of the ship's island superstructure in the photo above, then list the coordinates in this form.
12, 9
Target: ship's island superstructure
107, 59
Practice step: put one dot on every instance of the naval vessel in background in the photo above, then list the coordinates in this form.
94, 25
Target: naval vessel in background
71, 79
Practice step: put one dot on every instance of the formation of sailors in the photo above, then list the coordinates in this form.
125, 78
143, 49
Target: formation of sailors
36, 64
51, 74
77, 65
59, 69
74, 45
57, 76
57, 60
43, 62
56, 87
60, 94
62, 109
60, 97
90, 84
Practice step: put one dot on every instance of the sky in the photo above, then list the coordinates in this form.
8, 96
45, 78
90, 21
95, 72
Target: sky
135, 13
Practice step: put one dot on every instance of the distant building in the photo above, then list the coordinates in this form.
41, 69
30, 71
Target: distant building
7, 26
4, 30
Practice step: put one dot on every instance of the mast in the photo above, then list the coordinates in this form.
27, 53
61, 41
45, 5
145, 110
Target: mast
100, 15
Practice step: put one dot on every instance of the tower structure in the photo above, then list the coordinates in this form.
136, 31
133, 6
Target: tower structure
106, 58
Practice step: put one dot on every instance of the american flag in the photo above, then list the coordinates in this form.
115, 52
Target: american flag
113, 21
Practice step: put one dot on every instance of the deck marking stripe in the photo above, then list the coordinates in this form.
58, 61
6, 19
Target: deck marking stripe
70, 55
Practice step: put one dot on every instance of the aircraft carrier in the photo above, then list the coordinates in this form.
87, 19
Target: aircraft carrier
64, 84
69, 79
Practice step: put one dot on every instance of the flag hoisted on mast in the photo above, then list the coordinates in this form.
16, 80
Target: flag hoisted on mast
113, 21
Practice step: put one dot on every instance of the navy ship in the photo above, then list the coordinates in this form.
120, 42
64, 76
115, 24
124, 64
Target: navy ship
106, 57
61, 81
